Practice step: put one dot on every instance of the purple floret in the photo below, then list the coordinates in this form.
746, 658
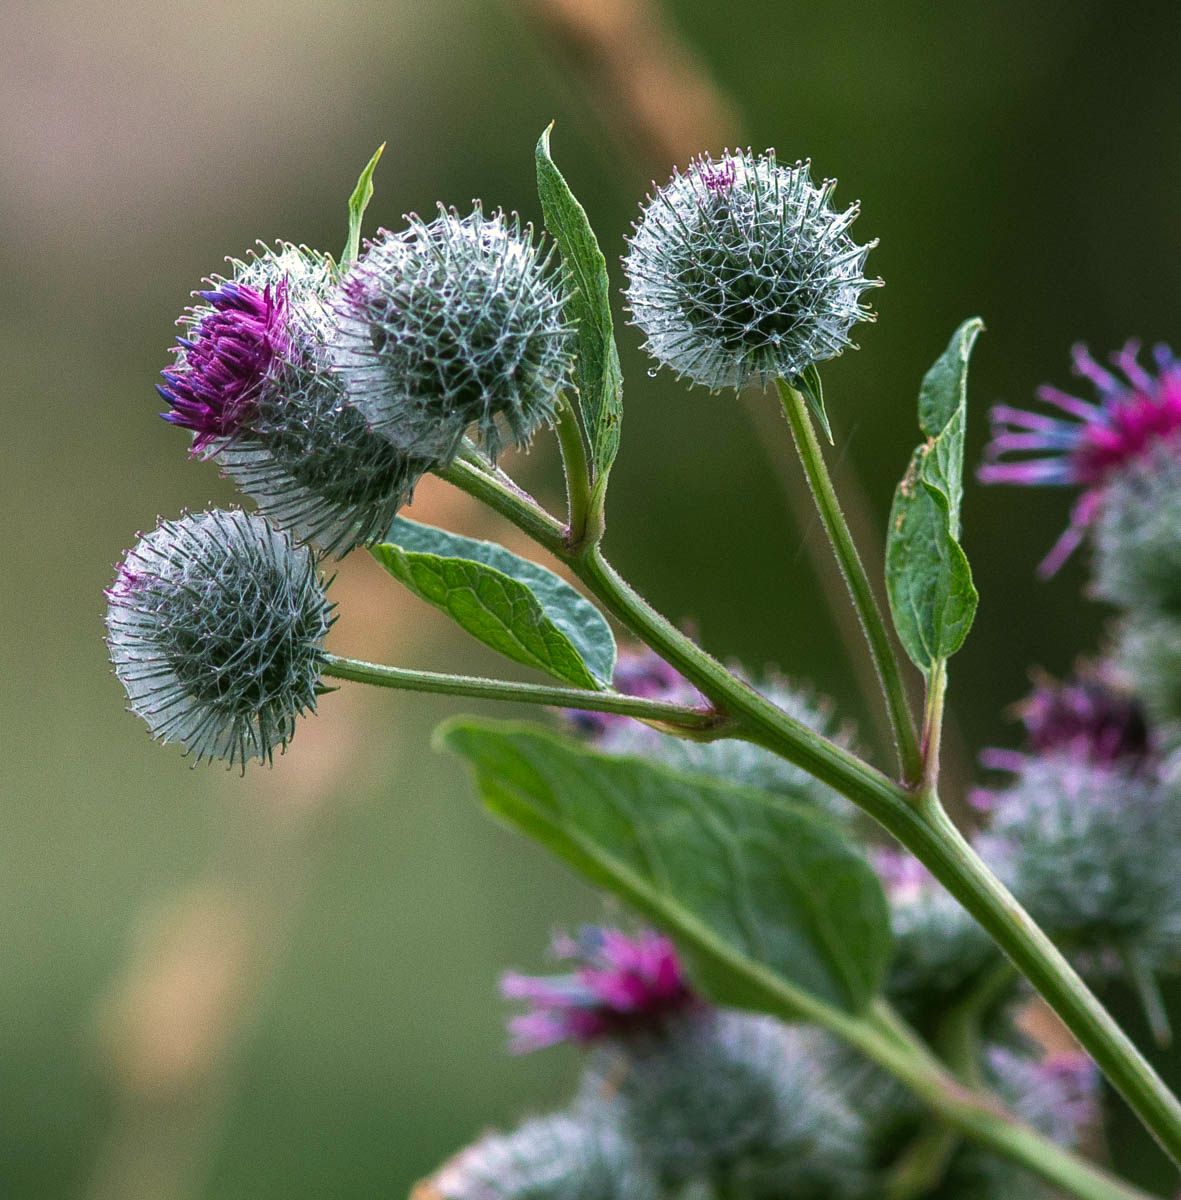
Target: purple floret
1090, 442
234, 337
622, 985
1088, 718
718, 177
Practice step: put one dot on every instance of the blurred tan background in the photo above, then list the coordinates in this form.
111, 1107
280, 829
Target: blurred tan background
284, 985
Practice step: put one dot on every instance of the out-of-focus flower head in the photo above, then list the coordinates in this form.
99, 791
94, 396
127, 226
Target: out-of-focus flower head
1148, 655
621, 985
740, 270
939, 951
1093, 851
1087, 443
643, 673
1057, 1093
559, 1157
733, 1100
1137, 538
638, 672
1088, 716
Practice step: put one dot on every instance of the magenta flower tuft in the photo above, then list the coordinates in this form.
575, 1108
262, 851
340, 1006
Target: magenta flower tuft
232, 339
718, 177
1092, 441
1087, 717
622, 985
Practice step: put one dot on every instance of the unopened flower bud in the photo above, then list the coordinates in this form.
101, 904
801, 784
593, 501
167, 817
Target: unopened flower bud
740, 270
452, 325
216, 627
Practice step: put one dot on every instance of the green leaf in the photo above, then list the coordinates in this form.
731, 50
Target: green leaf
809, 386
358, 203
523, 610
928, 579
599, 379
772, 904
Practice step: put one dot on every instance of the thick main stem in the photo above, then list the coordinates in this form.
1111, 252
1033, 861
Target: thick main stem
920, 824
881, 649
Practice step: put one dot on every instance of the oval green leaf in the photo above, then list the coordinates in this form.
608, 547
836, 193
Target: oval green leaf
520, 609
928, 579
774, 907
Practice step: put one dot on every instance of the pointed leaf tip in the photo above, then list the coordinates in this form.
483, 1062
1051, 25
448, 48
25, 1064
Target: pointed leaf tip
358, 203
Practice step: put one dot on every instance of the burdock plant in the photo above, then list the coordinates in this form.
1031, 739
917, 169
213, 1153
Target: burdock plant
827, 1002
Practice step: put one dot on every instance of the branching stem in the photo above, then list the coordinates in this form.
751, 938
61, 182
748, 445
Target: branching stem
917, 820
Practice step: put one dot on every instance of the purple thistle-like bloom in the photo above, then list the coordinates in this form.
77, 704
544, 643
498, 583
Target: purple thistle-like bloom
621, 985
1087, 717
222, 362
1091, 441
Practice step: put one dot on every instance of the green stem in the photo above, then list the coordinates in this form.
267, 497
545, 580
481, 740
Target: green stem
976, 1116
933, 723
923, 1164
958, 1037
919, 823
692, 721
881, 649
504, 497
585, 520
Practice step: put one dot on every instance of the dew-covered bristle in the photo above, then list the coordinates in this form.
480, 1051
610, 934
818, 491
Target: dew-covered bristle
216, 625
454, 325
740, 271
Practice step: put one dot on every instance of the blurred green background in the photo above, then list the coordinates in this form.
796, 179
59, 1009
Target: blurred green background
284, 985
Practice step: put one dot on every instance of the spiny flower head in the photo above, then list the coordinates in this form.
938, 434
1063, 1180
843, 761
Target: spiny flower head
643, 673
1087, 443
1089, 716
290, 442
735, 1100
307, 458
621, 985
559, 1157
453, 324
1137, 538
740, 270
1093, 851
222, 360
216, 625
